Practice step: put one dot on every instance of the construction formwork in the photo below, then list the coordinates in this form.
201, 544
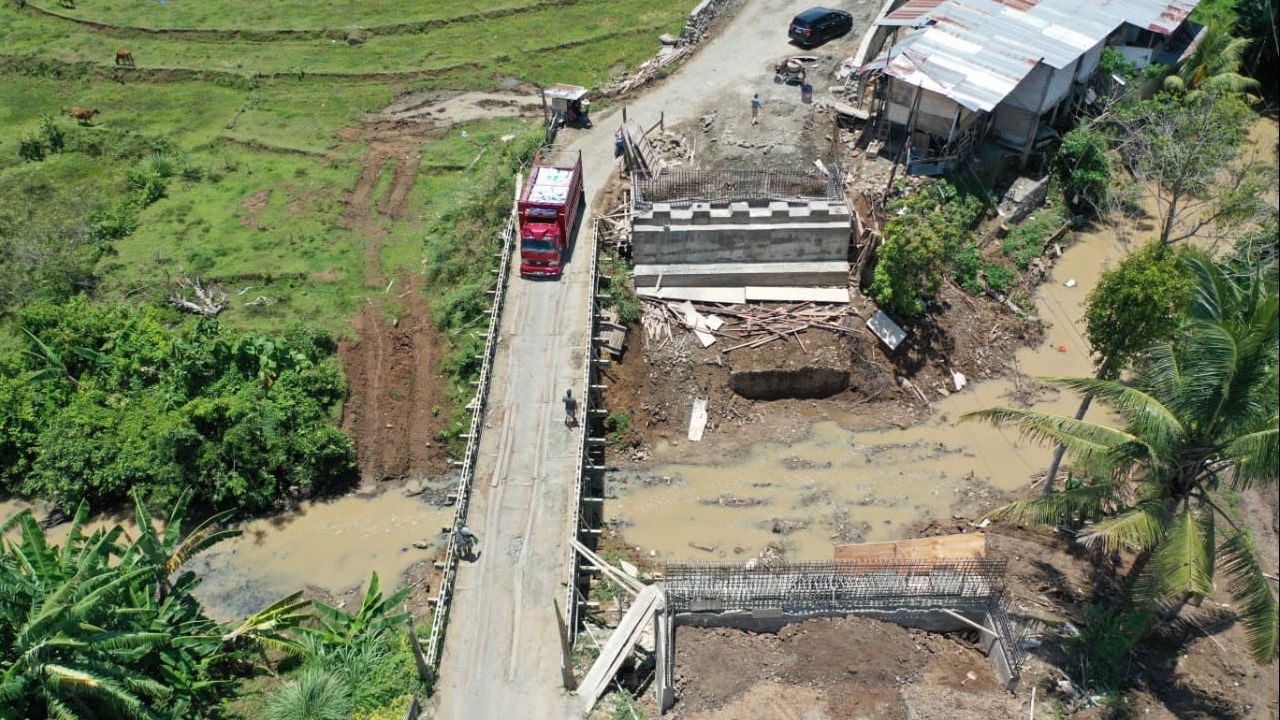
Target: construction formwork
682, 188
937, 595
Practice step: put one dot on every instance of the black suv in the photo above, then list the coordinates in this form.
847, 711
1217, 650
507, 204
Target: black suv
818, 25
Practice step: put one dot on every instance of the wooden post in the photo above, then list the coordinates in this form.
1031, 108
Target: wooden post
424, 670
624, 114
542, 92
566, 652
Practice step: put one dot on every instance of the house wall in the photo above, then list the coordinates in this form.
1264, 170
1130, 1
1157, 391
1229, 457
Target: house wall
934, 114
1041, 89
1090, 63
1014, 124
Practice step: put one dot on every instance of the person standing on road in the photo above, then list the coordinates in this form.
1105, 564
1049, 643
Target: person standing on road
755, 108
570, 409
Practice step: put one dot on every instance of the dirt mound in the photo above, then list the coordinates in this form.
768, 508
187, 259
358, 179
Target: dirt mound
833, 668
394, 396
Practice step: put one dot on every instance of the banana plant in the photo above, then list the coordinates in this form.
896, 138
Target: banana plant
377, 615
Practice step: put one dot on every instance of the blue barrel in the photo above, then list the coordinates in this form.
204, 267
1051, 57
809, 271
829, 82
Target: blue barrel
806, 93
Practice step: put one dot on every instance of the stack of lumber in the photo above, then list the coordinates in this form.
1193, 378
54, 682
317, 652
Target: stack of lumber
647, 71
615, 230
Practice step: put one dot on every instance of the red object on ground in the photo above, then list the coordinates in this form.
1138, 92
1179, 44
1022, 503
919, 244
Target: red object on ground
1062, 348
548, 209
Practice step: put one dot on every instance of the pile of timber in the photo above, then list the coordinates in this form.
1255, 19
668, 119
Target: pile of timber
646, 72
615, 230
744, 326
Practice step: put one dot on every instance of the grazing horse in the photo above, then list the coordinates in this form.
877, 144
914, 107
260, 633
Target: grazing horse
124, 57
84, 116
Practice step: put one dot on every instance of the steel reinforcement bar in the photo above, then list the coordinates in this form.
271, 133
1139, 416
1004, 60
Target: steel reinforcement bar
682, 187
444, 597
846, 586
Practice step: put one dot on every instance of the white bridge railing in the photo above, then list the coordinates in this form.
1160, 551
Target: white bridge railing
444, 596
589, 403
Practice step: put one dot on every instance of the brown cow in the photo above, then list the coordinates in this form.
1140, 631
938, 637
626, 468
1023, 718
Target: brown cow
124, 57
84, 116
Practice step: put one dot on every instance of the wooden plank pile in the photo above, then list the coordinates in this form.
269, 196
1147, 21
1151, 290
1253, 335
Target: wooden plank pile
744, 326
615, 229
646, 72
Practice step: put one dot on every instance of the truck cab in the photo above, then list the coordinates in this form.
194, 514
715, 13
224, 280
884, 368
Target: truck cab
540, 243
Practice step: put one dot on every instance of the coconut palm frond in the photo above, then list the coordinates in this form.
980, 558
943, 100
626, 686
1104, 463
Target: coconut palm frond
1148, 418
1208, 355
1086, 442
1183, 564
1064, 507
1142, 528
1212, 286
1255, 457
1252, 591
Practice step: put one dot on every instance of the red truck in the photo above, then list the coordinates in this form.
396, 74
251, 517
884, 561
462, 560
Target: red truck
548, 208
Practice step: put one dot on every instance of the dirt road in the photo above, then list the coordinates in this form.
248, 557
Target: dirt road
502, 655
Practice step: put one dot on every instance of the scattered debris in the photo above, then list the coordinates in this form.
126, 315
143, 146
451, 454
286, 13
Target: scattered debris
209, 301
887, 330
698, 420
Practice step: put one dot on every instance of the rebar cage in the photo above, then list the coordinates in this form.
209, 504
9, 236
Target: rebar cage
975, 586
682, 188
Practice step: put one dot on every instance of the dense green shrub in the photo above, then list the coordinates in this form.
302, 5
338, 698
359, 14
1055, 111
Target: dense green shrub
965, 267
924, 232
1083, 167
999, 278
106, 397
1025, 242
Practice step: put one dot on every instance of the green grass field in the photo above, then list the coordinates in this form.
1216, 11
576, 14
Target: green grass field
278, 138
483, 46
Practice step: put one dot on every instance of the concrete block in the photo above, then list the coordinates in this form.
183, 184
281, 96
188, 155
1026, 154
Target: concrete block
681, 215
737, 275
778, 207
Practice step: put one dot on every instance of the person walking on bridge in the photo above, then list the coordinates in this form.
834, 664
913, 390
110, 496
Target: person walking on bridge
467, 541
570, 409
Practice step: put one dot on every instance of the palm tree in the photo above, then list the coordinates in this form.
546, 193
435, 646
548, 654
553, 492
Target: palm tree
1202, 415
1214, 66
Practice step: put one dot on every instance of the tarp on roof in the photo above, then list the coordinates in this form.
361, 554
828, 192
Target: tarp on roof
977, 51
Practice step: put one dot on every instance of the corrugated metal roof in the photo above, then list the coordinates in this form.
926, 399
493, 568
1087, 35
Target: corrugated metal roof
977, 51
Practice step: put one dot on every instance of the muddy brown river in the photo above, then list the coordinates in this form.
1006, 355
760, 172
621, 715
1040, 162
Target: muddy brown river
836, 485
331, 545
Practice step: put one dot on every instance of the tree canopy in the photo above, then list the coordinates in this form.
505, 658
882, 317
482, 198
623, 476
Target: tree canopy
103, 398
1200, 416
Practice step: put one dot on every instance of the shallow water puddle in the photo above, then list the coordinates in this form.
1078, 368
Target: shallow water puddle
839, 486
332, 545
